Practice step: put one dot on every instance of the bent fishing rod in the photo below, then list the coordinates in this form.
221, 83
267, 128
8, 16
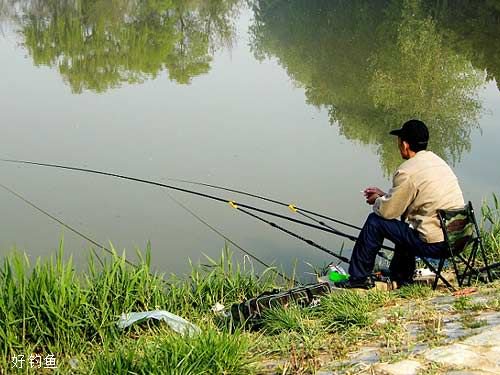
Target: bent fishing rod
209, 196
294, 208
239, 206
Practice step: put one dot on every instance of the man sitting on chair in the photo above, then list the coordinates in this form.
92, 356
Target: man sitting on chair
422, 184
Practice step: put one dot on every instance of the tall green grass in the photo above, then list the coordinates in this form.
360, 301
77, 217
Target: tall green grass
281, 320
345, 309
210, 352
490, 228
52, 309
47, 307
415, 291
224, 281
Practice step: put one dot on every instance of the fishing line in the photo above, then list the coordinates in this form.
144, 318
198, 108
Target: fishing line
75, 231
200, 219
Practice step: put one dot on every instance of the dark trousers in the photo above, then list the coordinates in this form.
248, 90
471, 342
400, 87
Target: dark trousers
408, 246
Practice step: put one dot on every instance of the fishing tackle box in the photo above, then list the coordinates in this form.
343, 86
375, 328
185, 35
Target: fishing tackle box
250, 311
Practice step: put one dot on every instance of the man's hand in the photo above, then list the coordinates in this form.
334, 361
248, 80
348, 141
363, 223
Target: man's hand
370, 199
372, 193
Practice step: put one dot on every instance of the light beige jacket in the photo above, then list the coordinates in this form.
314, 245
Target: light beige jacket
421, 186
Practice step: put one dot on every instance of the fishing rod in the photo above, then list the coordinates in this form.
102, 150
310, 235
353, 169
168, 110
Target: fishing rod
232, 203
292, 207
212, 197
238, 206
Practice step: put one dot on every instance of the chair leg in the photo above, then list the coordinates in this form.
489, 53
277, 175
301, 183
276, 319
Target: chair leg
472, 260
469, 266
489, 277
457, 272
440, 276
437, 272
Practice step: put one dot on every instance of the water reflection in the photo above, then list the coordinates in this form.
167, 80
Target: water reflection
98, 45
375, 64
472, 29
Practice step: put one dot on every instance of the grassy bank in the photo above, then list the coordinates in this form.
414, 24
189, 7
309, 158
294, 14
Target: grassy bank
52, 309
49, 308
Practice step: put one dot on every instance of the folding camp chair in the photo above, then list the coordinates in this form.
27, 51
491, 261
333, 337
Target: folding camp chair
461, 233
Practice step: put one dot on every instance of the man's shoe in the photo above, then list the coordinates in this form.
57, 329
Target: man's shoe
366, 283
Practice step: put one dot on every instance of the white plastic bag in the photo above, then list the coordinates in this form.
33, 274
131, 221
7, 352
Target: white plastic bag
175, 322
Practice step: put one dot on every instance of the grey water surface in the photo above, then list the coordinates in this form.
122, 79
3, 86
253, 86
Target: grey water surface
289, 99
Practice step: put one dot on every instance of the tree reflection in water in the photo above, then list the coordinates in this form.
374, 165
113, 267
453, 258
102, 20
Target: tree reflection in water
375, 64
372, 63
100, 44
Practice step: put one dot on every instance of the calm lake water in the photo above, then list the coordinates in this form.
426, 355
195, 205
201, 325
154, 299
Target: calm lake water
289, 99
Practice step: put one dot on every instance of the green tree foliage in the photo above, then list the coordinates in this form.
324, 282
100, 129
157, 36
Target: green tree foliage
471, 28
374, 65
418, 75
101, 44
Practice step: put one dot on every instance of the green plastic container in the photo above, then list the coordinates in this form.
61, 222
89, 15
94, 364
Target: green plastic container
336, 276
